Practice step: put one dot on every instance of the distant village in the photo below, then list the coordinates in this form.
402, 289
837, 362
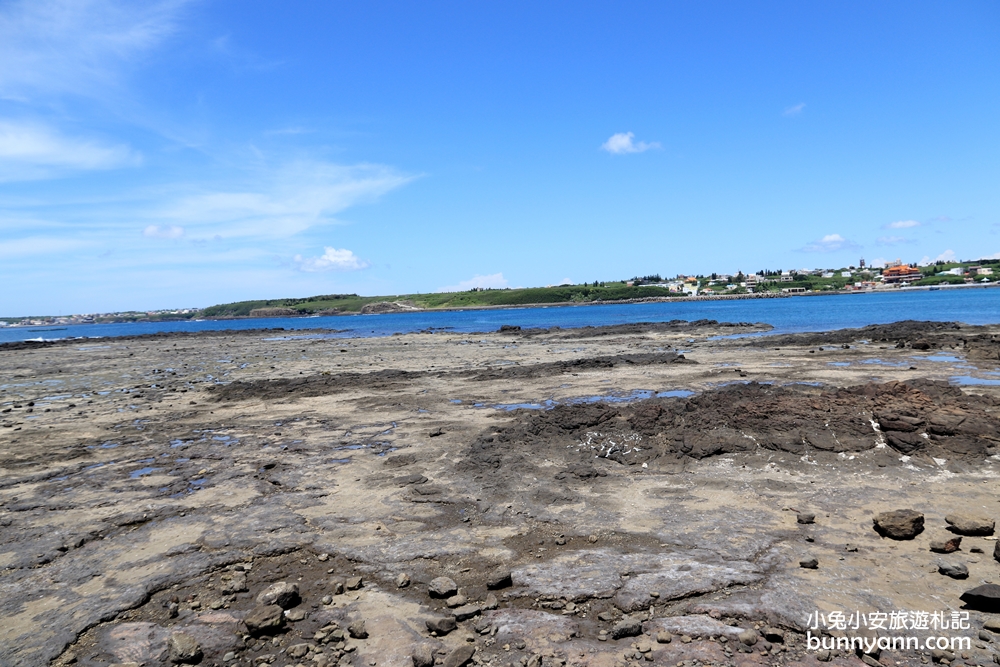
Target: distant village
893, 275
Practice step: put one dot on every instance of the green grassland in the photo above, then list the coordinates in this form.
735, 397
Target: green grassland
352, 303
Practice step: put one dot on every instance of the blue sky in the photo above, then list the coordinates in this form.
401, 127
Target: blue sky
192, 152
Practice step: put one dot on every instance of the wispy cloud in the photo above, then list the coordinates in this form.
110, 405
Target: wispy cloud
163, 232
830, 243
794, 110
331, 260
282, 201
901, 224
946, 256
38, 245
80, 47
893, 240
624, 142
494, 281
30, 150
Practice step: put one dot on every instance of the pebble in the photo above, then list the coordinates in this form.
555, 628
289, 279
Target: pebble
402, 580
442, 587
809, 563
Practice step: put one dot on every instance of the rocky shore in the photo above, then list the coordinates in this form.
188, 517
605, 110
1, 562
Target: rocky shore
647, 493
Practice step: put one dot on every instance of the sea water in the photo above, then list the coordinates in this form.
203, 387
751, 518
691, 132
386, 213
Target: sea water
786, 315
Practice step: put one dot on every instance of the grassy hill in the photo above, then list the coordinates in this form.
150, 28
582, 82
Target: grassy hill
352, 303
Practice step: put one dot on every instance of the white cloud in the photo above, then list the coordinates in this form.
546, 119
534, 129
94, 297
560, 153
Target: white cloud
30, 150
331, 260
878, 263
794, 110
80, 47
622, 143
566, 281
494, 281
163, 232
893, 240
901, 224
831, 243
946, 256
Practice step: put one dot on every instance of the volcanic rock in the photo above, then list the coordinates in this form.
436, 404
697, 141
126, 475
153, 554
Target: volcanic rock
627, 627
983, 598
442, 625
500, 579
964, 524
282, 593
460, 656
899, 524
442, 587
182, 648
946, 545
265, 619
357, 630
954, 570
423, 656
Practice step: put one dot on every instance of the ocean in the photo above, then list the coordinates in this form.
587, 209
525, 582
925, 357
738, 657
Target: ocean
789, 315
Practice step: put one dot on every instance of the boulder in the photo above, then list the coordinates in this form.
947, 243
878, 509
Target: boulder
467, 611
442, 587
964, 524
983, 598
265, 620
748, 637
899, 524
183, 649
282, 593
809, 563
805, 518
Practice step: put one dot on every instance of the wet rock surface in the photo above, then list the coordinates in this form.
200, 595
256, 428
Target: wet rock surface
175, 494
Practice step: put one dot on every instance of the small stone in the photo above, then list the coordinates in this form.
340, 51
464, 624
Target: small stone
592, 539
353, 583
323, 557
442, 587
772, 634
805, 518
229, 657
456, 601
663, 637
467, 611
946, 545
996, 550
402, 580
824, 655
627, 627
869, 660
326, 599
282, 593
560, 541
297, 651
809, 563
899, 524
491, 602
265, 619
295, 615
183, 648
459, 657
748, 637
992, 624
954, 570
423, 656
337, 586
851, 548
985, 636
499, 579
357, 630
965, 524
442, 625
